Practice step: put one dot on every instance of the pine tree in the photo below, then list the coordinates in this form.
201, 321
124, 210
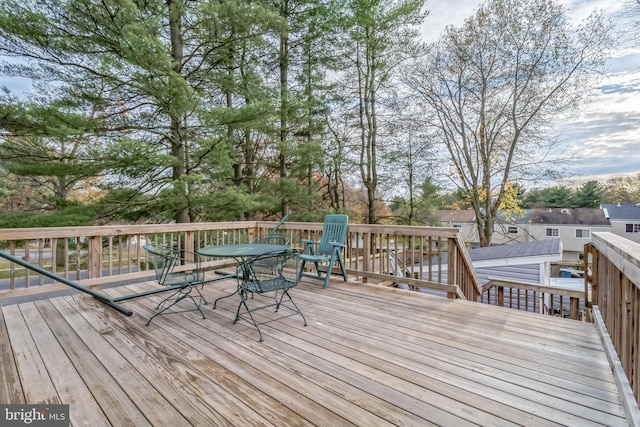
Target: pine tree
145, 73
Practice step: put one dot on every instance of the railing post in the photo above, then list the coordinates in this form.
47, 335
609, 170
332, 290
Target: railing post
452, 263
189, 245
95, 256
500, 296
590, 249
366, 256
574, 308
253, 233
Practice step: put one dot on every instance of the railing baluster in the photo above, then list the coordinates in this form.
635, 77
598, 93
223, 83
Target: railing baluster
420, 249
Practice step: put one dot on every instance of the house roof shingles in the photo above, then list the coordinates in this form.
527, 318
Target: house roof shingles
619, 211
580, 216
443, 215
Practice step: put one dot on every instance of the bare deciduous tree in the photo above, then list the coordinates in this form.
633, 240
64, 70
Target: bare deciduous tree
382, 35
496, 83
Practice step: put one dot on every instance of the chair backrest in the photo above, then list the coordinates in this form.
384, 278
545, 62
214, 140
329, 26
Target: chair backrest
333, 230
278, 270
174, 266
163, 259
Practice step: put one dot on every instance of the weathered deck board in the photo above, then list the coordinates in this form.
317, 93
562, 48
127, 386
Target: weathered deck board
274, 379
10, 386
369, 356
115, 403
34, 376
446, 373
69, 385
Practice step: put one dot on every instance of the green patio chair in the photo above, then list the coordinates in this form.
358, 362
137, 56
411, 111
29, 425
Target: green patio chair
181, 273
269, 277
328, 251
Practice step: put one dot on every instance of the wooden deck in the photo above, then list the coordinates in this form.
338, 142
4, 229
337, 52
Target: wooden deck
370, 356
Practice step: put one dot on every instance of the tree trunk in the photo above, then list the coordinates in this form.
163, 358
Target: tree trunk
283, 60
178, 125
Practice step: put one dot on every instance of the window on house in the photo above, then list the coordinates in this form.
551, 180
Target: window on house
582, 233
512, 229
632, 228
551, 232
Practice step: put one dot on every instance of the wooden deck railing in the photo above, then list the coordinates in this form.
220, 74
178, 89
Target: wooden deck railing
433, 257
547, 300
420, 257
614, 266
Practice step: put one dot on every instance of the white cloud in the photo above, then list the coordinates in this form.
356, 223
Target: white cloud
446, 12
605, 137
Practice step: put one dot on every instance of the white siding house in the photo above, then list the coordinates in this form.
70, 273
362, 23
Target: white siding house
573, 227
464, 220
522, 262
625, 220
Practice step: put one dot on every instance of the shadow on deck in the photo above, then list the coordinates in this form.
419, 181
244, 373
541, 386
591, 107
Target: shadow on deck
369, 356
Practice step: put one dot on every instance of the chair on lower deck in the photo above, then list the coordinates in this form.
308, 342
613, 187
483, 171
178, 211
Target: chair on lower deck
270, 277
181, 273
328, 251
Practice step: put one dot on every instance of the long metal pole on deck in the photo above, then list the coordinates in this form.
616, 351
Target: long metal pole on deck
284, 218
109, 301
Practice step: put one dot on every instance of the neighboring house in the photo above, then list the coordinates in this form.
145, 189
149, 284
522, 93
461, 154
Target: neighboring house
464, 220
625, 220
511, 227
522, 262
573, 226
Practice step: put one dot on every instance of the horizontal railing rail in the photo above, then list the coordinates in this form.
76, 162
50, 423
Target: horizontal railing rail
105, 299
103, 254
612, 264
549, 300
435, 257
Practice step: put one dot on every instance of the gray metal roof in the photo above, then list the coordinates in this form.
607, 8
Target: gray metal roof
619, 211
517, 250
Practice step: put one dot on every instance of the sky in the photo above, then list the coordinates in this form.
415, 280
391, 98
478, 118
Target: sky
604, 139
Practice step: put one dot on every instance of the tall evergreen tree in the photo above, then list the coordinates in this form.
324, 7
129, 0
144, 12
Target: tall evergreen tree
303, 60
145, 70
589, 195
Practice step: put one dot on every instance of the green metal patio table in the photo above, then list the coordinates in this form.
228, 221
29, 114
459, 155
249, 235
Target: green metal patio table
240, 252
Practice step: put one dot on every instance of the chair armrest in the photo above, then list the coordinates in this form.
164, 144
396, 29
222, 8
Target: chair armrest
309, 246
341, 245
